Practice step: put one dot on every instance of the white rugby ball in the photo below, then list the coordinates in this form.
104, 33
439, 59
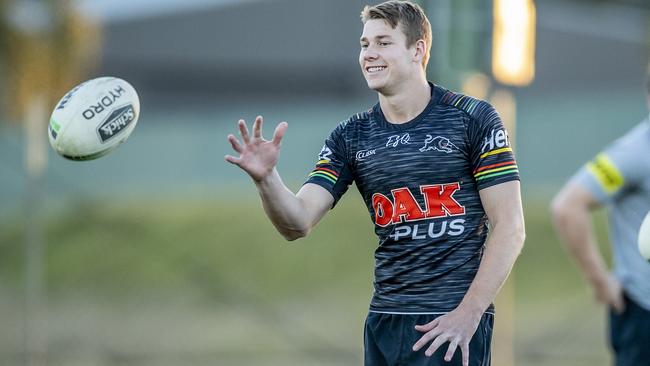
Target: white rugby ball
644, 237
94, 118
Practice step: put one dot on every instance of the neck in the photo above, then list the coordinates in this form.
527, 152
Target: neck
406, 104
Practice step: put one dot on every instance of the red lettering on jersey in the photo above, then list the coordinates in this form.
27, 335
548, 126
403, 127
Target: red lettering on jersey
438, 199
405, 206
383, 209
440, 202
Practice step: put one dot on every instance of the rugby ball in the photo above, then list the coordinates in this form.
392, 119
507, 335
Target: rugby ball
93, 118
644, 237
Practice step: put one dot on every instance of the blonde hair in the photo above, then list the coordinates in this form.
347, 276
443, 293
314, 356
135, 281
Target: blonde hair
409, 16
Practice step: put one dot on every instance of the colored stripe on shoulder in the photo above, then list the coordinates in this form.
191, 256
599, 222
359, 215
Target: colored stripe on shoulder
463, 102
321, 174
494, 166
496, 152
606, 173
510, 168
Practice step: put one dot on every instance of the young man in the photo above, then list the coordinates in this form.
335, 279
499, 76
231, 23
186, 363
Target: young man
618, 177
433, 167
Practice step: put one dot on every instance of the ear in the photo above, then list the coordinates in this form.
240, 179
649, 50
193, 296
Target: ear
420, 48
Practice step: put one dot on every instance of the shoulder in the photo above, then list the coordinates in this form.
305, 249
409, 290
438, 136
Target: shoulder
639, 135
633, 144
474, 108
353, 123
619, 162
357, 119
347, 129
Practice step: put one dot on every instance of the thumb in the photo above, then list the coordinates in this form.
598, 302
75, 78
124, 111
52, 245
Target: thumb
232, 160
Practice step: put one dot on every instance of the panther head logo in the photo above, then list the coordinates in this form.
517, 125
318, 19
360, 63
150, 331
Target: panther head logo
438, 143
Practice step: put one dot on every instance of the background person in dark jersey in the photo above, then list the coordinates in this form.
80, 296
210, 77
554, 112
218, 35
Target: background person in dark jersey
433, 167
619, 179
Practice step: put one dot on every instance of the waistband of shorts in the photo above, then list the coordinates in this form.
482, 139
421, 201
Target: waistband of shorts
417, 312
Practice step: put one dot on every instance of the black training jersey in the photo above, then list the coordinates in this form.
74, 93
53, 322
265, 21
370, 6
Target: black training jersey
420, 181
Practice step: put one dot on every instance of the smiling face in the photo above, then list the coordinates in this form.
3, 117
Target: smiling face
386, 61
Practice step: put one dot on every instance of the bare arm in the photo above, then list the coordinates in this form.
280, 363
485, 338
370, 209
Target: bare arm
571, 215
502, 204
293, 215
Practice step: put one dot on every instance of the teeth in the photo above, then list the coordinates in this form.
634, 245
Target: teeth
376, 68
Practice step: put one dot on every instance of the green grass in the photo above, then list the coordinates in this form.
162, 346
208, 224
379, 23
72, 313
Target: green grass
224, 254
202, 247
207, 246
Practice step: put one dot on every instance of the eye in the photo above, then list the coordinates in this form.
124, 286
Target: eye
383, 44
364, 45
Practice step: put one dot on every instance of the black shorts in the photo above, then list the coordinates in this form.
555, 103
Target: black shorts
629, 335
389, 340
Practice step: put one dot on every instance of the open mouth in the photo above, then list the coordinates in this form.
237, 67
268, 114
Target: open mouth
373, 69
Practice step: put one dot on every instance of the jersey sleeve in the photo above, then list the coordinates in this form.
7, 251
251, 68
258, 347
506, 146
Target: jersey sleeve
332, 170
618, 168
493, 161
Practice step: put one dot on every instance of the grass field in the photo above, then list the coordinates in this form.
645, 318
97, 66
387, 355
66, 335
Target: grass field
210, 282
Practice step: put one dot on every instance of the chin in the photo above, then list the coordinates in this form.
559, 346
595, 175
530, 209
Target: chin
376, 85
380, 88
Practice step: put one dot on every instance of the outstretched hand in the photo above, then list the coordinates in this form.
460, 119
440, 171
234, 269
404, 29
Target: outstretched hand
257, 156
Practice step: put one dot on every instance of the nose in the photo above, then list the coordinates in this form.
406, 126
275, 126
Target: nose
369, 54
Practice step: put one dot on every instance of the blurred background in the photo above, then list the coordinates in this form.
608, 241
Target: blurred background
160, 254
